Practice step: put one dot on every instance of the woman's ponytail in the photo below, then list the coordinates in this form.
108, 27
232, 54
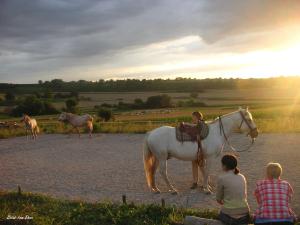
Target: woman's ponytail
236, 170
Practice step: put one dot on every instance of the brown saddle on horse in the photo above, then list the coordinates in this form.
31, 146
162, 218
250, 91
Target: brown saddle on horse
194, 133
191, 132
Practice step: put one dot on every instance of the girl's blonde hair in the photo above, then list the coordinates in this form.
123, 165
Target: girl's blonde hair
274, 170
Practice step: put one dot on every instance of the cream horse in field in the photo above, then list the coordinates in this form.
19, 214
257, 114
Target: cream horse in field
30, 124
76, 121
161, 144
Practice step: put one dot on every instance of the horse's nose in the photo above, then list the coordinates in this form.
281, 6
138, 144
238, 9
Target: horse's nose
254, 133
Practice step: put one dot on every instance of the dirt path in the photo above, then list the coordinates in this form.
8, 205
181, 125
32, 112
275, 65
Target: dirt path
110, 165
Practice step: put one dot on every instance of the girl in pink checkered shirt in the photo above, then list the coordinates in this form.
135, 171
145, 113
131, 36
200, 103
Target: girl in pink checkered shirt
273, 196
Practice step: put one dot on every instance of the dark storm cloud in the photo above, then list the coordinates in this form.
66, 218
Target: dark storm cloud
38, 36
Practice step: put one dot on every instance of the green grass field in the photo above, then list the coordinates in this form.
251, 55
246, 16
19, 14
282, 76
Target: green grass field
48, 211
274, 111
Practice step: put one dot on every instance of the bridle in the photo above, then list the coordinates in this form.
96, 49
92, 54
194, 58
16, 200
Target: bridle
247, 122
222, 132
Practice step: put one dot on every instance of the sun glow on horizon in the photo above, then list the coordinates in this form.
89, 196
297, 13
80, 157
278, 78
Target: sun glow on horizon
179, 58
273, 62
191, 56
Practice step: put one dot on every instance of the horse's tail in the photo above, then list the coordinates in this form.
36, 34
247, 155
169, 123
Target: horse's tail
149, 162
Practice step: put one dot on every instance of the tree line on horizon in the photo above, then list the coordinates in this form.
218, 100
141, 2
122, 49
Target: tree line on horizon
135, 85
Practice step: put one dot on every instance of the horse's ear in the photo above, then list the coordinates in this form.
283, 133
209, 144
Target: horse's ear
247, 108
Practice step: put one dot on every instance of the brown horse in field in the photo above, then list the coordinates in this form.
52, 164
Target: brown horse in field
77, 121
30, 124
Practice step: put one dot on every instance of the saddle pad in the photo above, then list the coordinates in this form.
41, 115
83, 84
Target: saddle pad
183, 136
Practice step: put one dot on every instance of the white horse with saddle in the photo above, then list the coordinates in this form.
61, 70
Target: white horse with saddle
77, 121
31, 125
161, 144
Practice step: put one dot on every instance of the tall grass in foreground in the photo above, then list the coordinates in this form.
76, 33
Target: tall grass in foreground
46, 210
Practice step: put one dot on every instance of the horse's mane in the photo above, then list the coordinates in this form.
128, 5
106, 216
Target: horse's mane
217, 119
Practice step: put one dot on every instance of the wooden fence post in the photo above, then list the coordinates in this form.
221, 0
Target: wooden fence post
124, 199
19, 190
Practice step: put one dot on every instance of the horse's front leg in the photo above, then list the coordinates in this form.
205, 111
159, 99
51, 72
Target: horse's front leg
35, 134
32, 133
163, 172
90, 128
71, 131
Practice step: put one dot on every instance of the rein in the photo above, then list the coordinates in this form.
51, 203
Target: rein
222, 132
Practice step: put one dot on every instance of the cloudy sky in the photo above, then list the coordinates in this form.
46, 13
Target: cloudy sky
104, 39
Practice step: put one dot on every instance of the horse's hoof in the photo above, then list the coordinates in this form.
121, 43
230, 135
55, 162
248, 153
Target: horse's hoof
173, 192
207, 191
155, 190
194, 186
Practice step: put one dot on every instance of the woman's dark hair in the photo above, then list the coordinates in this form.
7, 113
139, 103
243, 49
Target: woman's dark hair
230, 162
198, 115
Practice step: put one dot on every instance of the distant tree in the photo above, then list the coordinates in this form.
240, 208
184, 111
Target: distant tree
9, 96
33, 106
49, 108
105, 113
57, 84
124, 106
159, 101
40, 82
138, 101
71, 105
138, 104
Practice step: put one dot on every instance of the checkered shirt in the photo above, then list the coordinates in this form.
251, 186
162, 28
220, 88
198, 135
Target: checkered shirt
273, 197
